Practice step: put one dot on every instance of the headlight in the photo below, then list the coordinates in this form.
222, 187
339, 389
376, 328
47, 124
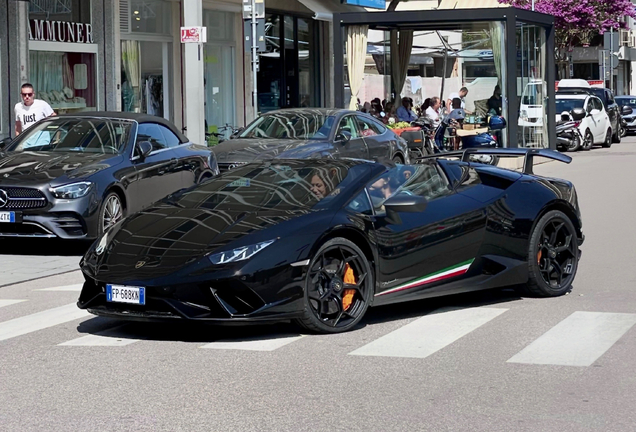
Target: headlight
524, 115
239, 254
72, 191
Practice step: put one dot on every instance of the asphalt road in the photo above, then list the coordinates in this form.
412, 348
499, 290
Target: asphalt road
481, 362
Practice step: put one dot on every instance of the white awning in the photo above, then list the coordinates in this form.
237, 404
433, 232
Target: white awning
324, 9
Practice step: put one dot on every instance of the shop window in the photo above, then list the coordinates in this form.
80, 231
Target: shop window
78, 11
219, 76
145, 16
65, 80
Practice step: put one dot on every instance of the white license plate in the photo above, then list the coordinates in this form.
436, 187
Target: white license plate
8, 217
125, 294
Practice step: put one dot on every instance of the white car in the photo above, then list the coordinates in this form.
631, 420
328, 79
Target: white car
594, 123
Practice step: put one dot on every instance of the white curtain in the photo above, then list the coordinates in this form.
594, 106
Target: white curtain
46, 71
497, 37
356, 57
400, 57
130, 61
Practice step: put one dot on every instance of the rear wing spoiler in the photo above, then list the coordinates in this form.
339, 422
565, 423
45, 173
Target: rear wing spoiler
527, 153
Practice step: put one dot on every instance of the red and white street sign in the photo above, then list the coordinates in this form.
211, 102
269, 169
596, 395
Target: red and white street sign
193, 35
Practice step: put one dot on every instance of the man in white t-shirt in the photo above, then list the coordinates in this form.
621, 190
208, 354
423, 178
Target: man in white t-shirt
30, 110
461, 95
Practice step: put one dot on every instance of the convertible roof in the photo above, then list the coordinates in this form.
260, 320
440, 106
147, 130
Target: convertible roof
138, 117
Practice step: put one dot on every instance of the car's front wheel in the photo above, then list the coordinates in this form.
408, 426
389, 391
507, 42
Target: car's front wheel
553, 256
338, 288
112, 211
588, 140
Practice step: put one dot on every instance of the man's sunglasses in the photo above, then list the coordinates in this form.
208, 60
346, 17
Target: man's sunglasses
27, 94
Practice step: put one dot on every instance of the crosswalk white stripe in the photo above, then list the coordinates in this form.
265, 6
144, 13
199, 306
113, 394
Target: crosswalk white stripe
112, 337
578, 340
429, 334
254, 344
40, 320
77, 287
10, 302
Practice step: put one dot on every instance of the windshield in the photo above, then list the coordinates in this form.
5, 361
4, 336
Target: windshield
290, 126
82, 135
626, 102
568, 104
287, 186
533, 94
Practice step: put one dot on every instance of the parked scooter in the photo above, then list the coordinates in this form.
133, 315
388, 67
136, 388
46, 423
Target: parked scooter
481, 140
420, 142
569, 136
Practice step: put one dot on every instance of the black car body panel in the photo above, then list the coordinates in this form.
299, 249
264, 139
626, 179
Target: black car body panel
384, 145
474, 232
139, 181
630, 119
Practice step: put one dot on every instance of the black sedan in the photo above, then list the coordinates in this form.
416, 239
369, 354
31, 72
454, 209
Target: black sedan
302, 133
74, 176
319, 241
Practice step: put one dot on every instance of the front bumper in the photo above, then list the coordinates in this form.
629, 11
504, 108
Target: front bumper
57, 218
221, 299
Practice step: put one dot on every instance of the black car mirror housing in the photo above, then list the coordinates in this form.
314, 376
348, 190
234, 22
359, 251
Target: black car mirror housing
626, 110
145, 148
406, 203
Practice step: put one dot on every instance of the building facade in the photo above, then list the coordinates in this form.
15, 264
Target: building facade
127, 55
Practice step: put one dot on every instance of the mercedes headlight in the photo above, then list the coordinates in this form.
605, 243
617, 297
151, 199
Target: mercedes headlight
239, 254
72, 191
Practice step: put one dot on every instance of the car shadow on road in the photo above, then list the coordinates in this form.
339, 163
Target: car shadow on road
197, 332
43, 247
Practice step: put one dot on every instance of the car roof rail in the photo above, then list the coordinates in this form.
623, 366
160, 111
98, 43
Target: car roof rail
527, 153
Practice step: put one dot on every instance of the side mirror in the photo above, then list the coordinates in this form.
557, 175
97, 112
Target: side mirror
406, 203
578, 114
145, 148
343, 137
626, 110
5, 143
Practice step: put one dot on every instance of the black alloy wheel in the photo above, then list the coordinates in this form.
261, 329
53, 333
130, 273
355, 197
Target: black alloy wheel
608, 139
338, 288
623, 131
112, 212
588, 140
553, 256
397, 159
617, 132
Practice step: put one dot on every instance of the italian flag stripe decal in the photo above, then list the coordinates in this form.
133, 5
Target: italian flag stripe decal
446, 273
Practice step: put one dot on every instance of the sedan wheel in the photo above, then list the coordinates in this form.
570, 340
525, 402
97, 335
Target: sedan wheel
553, 256
608, 139
112, 212
338, 288
588, 140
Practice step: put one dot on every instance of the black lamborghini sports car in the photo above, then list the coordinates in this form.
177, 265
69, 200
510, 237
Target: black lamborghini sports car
319, 241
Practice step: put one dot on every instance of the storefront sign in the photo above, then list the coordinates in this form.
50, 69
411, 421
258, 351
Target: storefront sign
194, 35
376, 4
60, 31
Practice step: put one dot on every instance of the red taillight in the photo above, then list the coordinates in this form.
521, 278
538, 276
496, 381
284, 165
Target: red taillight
577, 124
494, 137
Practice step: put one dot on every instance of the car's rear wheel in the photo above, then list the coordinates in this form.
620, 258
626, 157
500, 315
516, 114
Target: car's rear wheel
608, 139
338, 288
112, 211
553, 256
618, 134
623, 132
397, 159
588, 140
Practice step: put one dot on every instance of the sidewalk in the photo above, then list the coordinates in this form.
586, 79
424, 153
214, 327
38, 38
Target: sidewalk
21, 268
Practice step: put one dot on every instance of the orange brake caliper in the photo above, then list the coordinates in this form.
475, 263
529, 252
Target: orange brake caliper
349, 278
